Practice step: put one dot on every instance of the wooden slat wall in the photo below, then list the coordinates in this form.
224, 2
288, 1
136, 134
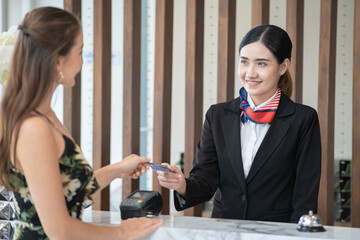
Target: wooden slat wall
260, 11
131, 89
72, 96
194, 85
326, 102
355, 164
102, 94
226, 50
162, 91
295, 29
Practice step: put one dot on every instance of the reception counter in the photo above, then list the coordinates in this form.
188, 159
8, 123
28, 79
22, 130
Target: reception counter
179, 227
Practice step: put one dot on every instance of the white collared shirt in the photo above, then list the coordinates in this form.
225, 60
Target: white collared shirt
252, 134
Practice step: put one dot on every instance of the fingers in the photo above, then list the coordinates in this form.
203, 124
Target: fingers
169, 177
172, 168
145, 166
171, 180
135, 228
135, 165
149, 225
148, 222
140, 169
144, 159
175, 175
153, 225
134, 176
138, 159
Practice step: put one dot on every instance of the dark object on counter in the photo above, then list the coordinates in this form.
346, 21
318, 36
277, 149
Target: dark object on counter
310, 223
141, 203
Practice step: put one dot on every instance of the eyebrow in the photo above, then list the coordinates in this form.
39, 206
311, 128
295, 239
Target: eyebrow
257, 59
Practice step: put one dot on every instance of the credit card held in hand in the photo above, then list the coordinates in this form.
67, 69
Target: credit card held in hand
159, 167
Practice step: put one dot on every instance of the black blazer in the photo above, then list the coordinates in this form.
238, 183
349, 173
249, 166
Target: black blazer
283, 181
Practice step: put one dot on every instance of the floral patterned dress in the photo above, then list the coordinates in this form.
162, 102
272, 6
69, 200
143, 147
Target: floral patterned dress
78, 185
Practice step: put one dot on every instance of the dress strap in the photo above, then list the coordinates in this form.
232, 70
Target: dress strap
52, 124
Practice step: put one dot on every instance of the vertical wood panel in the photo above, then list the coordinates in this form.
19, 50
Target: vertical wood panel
72, 96
194, 85
295, 29
355, 163
226, 50
102, 94
260, 11
162, 91
326, 102
131, 90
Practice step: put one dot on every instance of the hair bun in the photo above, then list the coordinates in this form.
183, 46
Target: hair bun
23, 30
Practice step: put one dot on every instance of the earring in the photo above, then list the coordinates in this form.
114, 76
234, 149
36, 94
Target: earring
61, 77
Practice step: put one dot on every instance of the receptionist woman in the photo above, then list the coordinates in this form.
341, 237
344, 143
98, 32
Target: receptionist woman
260, 154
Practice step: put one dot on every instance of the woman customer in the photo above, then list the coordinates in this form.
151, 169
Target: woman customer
39, 160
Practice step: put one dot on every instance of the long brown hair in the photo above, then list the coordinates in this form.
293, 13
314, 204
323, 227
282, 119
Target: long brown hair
45, 34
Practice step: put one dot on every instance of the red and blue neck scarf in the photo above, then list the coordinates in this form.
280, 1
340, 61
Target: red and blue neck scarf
264, 114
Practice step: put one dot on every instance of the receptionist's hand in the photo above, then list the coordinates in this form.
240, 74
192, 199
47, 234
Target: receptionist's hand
175, 180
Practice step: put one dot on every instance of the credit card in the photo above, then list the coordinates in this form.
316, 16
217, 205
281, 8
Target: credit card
159, 167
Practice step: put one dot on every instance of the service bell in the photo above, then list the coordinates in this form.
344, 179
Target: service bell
310, 223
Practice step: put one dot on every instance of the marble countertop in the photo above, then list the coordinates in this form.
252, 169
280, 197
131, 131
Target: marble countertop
197, 228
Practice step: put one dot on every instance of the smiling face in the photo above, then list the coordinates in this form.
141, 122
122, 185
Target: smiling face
259, 71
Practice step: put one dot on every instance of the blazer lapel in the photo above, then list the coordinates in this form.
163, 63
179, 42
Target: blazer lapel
273, 137
231, 128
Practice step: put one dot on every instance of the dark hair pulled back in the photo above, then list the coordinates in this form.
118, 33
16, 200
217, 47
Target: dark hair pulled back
278, 42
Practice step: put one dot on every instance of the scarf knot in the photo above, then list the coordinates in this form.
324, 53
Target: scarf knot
264, 114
